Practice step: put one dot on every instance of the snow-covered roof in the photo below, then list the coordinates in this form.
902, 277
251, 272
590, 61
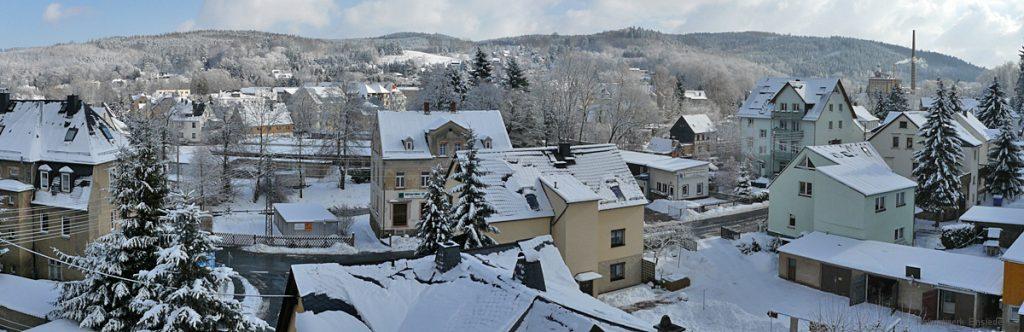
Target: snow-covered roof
699, 123
77, 199
1015, 253
14, 185
969, 104
659, 145
665, 163
972, 123
863, 114
814, 91
479, 294
994, 215
303, 212
919, 118
394, 126
569, 188
512, 175
46, 130
187, 110
975, 273
858, 166
695, 94
253, 114
60, 325
28, 296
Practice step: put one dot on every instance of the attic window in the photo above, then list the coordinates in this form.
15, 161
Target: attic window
106, 132
531, 199
486, 142
70, 136
407, 143
618, 192
2, 129
807, 163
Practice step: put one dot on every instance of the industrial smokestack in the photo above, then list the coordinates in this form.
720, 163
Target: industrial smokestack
913, 61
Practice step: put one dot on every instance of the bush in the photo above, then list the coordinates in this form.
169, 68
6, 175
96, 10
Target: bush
359, 175
749, 248
958, 236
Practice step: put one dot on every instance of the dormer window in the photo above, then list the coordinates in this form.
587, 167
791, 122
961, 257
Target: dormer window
106, 132
70, 135
618, 192
442, 149
486, 142
407, 143
65, 179
44, 177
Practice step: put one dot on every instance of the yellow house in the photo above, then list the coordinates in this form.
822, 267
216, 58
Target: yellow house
584, 197
1013, 286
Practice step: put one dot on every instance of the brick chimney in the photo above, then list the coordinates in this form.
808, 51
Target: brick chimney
529, 272
451, 107
448, 256
426, 107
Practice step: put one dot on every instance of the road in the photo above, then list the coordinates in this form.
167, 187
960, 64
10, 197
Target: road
269, 272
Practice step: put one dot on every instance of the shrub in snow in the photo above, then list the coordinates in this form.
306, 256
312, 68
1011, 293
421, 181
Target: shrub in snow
359, 175
749, 248
774, 244
958, 236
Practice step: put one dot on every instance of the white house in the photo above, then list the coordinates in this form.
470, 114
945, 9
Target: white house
897, 140
667, 177
188, 118
782, 115
843, 189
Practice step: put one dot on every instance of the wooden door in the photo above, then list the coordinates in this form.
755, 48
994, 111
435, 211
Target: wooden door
930, 305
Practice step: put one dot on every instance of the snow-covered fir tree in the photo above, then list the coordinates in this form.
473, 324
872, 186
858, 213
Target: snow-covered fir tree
1006, 162
457, 84
896, 101
880, 109
188, 290
1018, 91
993, 111
939, 160
435, 226
515, 78
103, 300
471, 210
482, 71
953, 99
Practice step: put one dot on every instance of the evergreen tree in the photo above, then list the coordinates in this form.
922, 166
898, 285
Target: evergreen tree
435, 227
1018, 91
939, 160
881, 108
482, 69
1006, 162
188, 289
457, 86
953, 100
515, 78
896, 101
104, 299
993, 110
471, 211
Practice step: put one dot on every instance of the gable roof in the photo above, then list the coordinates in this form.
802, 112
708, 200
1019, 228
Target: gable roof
699, 123
394, 126
969, 104
994, 215
38, 130
660, 145
665, 163
1015, 253
479, 294
513, 174
978, 274
761, 101
919, 118
303, 212
858, 166
863, 114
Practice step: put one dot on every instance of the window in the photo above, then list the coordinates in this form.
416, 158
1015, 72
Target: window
806, 163
840, 124
193, 125
424, 179
796, 107
400, 180
830, 107
910, 142
686, 189
399, 214
44, 180
700, 188
750, 122
531, 199
897, 234
880, 204
671, 191
792, 221
618, 237
55, 272
458, 146
895, 142
618, 271
830, 123
70, 135
903, 124
299, 226
407, 143
193, 135
13, 171
782, 124
618, 192
65, 226
840, 107
442, 149
65, 182
764, 133
835, 141
1013, 309
487, 143
901, 199
782, 107
44, 223
806, 189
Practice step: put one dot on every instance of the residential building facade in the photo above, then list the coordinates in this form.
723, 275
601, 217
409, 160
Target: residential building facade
669, 178
783, 115
695, 133
1013, 286
844, 189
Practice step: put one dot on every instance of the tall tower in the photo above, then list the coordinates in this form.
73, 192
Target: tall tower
913, 61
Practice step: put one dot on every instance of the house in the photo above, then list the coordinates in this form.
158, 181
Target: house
695, 133
897, 140
933, 284
663, 146
262, 118
865, 119
969, 104
1009, 220
843, 189
281, 74
782, 115
304, 219
312, 106
583, 196
667, 177
694, 95
384, 95
520, 286
25, 302
1013, 286
405, 145
187, 118
171, 93
55, 161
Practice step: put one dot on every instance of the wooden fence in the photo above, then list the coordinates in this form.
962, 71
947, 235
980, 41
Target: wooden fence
290, 241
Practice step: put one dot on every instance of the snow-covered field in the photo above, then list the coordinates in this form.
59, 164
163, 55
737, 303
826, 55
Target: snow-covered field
419, 58
684, 210
733, 292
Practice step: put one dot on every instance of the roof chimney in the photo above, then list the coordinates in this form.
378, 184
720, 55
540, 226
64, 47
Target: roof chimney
529, 272
73, 105
666, 325
426, 107
5, 101
447, 256
451, 107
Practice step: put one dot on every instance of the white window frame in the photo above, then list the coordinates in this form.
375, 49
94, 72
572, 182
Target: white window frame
899, 234
1014, 314
400, 180
442, 149
65, 182
424, 178
806, 189
879, 204
901, 199
44, 180
44, 221
792, 221
55, 266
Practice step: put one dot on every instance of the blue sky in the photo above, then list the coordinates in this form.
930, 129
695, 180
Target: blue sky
984, 32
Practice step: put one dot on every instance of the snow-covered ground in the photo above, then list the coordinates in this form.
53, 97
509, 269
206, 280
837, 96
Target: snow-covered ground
419, 58
684, 210
733, 292
243, 216
336, 249
366, 240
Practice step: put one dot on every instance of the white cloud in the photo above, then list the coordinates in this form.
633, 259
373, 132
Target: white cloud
55, 12
291, 16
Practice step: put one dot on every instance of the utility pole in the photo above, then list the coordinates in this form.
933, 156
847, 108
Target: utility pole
266, 209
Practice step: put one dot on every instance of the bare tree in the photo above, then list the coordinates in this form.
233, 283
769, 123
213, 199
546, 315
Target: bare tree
630, 106
225, 134
346, 125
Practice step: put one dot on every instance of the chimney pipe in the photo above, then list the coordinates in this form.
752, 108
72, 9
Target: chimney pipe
451, 107
913, 61
447, 256
426, 107
529, 272
5, 100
